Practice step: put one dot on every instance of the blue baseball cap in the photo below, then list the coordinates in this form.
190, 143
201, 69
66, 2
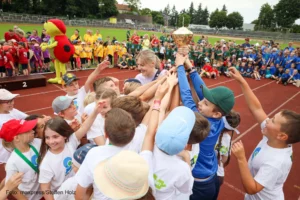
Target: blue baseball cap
173, 134
80, 154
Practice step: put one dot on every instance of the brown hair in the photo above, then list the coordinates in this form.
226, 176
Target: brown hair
119, 127
132, 105
200, 130
292, 126
218, 109
130, 87
58, 125
105, 93
148, 195
98, 83
89, 98
234, 120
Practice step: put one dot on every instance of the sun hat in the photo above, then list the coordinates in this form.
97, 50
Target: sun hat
80, 154
68, 78
61, 103
15, 127
221, 96
7, 95
123, 176
174, 132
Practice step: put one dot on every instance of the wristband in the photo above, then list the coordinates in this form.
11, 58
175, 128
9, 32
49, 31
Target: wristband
156, 105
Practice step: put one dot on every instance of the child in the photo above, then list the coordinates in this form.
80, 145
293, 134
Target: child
269, 165
2, 66
119, 129
18, 135
214, 73
58, 145
37, 58
9, 63
131, 62
67, 190
7, 112
122, 62
294, 79
130, 85
205, 71
89, 98
284, 77
64, 107
46, 56
278, 73
83, 55
256, 73
23, 57
96, 133
214, 104
223, 147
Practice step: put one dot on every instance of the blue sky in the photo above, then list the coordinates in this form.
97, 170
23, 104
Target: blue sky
248, 8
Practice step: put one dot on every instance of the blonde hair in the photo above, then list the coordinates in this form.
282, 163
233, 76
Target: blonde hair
130, 87
89, 98
148, 56
9, 146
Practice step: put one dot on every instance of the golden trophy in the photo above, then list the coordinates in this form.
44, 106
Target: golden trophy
182, 38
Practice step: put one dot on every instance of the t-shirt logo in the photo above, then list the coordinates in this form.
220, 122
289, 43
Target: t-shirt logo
34, 160
194, 160
255, 152
159, 184
68, 164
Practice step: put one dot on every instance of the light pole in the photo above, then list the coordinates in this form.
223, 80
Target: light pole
100, 6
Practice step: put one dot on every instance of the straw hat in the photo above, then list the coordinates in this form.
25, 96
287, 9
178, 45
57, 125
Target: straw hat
123, 176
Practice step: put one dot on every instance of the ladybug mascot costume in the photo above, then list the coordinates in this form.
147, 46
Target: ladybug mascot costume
59, 47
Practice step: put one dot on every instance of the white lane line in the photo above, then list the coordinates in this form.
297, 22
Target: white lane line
255, 89
271, 113
234, 188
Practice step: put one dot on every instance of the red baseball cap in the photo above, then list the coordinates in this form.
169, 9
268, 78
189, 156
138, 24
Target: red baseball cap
15, 127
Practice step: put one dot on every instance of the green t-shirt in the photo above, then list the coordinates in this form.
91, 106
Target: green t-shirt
217, 57
131, 62
155, 49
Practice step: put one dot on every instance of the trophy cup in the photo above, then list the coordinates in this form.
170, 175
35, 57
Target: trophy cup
182, 38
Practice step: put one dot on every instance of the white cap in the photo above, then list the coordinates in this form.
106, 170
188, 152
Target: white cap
7, 95
250, 59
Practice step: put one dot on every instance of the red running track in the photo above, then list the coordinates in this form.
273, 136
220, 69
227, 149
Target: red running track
273, 97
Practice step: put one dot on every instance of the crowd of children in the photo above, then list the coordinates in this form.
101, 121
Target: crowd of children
267, 60
154, 139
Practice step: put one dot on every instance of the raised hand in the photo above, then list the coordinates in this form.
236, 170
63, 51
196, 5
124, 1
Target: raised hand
172, 79
161, 91
235, 74
238, 150
14, 181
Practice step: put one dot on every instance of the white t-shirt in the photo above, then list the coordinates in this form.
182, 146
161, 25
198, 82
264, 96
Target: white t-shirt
144, 80
270, 167
79, 99
224, 151
16, 164
97, 128
148, 156
76, 117
85, 177
172, 176
67, 190
162, 50
13, 114
136, 143
56, 168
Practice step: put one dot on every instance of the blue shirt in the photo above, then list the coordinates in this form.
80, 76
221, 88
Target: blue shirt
285, 76
296, 76
249, 69
297, 61
272, 70
207, 162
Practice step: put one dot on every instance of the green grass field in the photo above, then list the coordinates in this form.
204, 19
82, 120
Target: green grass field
120, 34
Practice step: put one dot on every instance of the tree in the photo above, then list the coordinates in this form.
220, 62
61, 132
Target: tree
134, 5
157, 17
255, 22
287, 12
234, 20
218, 19
224, 8
174, 16
295, 28
198, 15
72, 8
204, 17
192, 13
186, 18
145, 11
109, 9
266, 17
21, 6
167, 10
